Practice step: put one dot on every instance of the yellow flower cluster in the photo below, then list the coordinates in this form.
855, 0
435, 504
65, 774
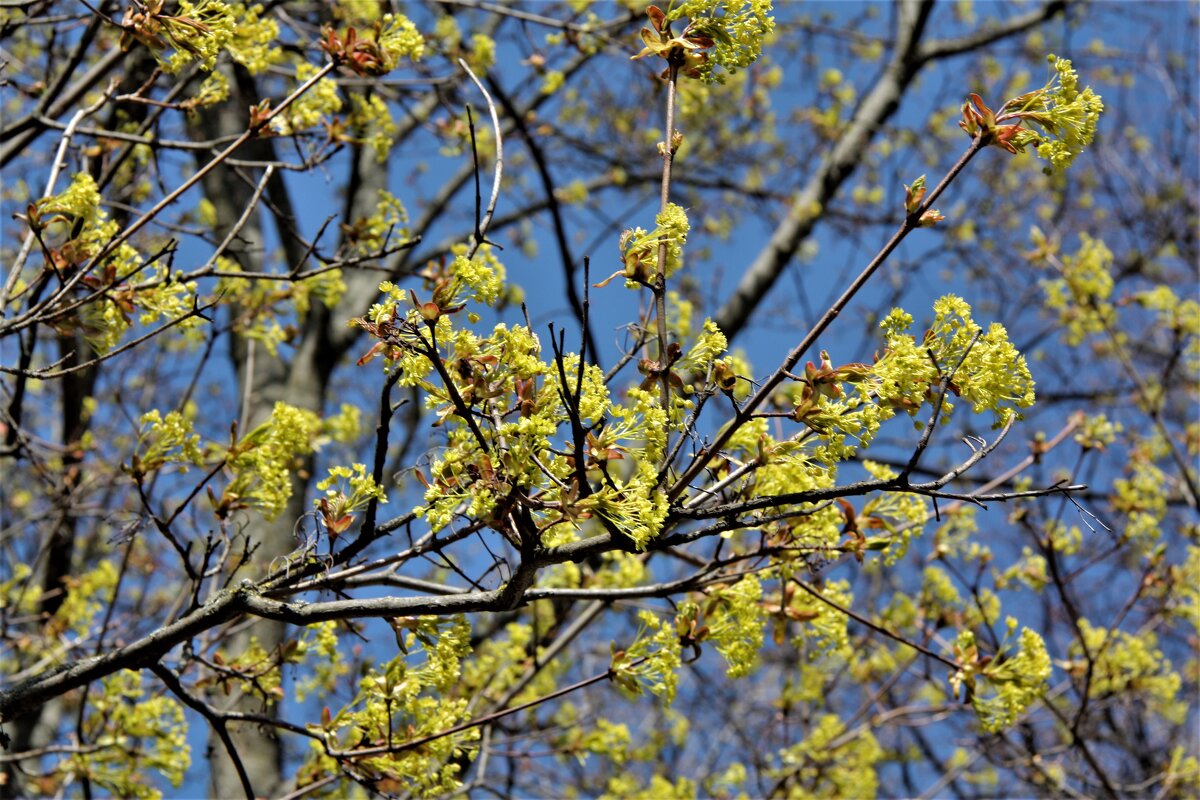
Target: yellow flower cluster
1081, 294
405, 698
167, 439
199, 32
1072, 115
399, 39
986, 371
372, 123
137, 736
348, 489
738, 27
1002, 688
312, 107
735, 622
253, 41
482, 277
832, 762
658, 644
264, 460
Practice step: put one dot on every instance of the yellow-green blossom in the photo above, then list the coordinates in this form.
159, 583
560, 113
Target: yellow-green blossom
483, 53
141, 735
87, 595
1003, 687
1081, 295
986, 371
198, 31
482, 277
901, 515
328, 667
253, 44
373, 125
214, 90
738, 28
167, 439
552, 81
310, 108
446, 33
406, 699
398, 38
265, 307
79, 201
265, 459
639, 249
831, 761
824, 628
735, 620
342, 500
709, 344
625, 787
386, 227
1069, 115
651, 662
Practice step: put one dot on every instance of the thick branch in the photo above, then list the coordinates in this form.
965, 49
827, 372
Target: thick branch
877, 106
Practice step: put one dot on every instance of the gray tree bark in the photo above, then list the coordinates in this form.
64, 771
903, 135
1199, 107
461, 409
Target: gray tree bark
263, 380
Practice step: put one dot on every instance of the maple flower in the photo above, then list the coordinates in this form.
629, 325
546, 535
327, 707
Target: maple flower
1067, 116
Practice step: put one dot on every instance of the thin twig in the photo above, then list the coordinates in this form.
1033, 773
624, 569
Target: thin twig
481, 226
251, 131
768, 386
952, 664
60, 160
243, 219
660, 279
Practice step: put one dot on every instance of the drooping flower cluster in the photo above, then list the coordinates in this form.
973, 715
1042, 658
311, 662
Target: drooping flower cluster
734, 620
1002, 688
370, 122
738, 29
308, 110
73, 230
652, 661
639, 248
1070, 115
264, 461
1082, 293
721, 36
143, 732
197, 31
1067, 116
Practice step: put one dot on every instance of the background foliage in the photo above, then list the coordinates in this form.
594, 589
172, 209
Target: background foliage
334, 465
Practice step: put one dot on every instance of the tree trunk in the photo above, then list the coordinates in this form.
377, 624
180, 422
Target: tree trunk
303, 382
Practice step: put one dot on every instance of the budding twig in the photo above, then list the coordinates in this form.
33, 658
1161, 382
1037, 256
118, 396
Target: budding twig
660, 280
910, 223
